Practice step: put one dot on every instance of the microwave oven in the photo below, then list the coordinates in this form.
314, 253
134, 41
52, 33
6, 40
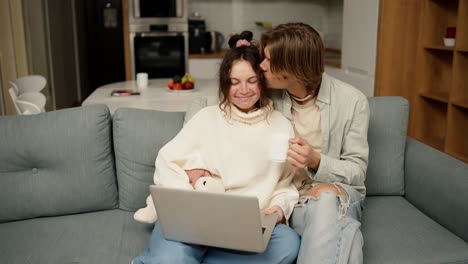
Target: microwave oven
158, 11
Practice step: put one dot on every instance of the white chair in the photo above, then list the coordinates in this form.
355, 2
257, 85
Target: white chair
30, 83
28, 103
14, 97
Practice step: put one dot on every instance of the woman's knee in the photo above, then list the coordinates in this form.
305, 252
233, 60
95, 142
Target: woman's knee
161, 250
286, 243
165, 259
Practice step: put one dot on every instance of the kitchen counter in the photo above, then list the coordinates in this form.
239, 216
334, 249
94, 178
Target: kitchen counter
216, 55
332, 56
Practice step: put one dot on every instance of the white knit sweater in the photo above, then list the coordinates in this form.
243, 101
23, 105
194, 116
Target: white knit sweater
235, 147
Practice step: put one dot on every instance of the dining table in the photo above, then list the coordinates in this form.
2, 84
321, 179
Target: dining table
156, 96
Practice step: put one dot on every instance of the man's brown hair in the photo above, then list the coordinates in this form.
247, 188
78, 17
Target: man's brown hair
296, 49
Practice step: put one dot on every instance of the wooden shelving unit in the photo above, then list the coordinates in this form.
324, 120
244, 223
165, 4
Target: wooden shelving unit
413, 62
432, 122
441, 107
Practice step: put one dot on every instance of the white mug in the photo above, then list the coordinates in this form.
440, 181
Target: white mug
142, 80
278, 147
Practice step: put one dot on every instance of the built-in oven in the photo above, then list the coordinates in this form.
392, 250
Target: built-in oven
159, 37
159, 50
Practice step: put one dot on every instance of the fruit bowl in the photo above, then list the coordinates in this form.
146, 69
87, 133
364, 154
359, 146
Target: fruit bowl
186, 83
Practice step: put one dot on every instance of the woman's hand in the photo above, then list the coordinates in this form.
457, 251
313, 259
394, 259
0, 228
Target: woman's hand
196, 174
302, 155
278, 210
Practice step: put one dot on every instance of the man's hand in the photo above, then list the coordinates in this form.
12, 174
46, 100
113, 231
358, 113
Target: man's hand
195, 174
302, 155
278, 210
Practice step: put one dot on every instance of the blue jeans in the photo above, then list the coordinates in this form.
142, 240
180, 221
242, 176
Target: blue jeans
329, 227
282, 248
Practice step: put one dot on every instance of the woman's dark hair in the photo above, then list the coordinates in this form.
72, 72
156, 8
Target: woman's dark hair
249, 53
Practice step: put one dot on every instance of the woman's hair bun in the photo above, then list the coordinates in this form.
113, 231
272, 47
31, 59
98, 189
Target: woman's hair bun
247, 35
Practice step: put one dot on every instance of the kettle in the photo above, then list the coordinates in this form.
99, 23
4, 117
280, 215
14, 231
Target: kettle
214, 41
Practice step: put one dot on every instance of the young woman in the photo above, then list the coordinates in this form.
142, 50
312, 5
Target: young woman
231, 141
330, 151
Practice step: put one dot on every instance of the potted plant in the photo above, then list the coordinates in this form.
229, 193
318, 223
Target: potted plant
449, 39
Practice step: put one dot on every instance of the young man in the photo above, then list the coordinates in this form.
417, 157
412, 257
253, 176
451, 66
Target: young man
330, 151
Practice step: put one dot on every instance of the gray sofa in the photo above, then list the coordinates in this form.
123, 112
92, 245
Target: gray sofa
70, 181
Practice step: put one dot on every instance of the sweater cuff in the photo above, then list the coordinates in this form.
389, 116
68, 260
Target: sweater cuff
286, 205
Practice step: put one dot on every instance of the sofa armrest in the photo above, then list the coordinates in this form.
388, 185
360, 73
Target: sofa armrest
437, 184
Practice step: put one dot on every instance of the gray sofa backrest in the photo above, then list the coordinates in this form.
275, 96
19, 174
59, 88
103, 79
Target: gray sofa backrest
62, 162
56, 163
387, 138
138, 136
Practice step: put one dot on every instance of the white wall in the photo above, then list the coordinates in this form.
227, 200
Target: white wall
36, 43
348, 25
2, 105
51, 49
233, 16
12, 48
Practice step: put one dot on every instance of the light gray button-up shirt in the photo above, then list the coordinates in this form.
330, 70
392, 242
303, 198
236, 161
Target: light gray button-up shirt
344, 113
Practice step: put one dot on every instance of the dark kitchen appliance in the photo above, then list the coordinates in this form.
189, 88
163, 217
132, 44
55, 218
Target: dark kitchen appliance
214, 41
103, 52
159, 37
159, 55
158, 51
158, 11
202, 41
197, 36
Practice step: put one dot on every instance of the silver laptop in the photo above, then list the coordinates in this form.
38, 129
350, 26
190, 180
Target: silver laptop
212, 219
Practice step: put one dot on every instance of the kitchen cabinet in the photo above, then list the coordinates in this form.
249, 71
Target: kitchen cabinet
359, 44
204, 68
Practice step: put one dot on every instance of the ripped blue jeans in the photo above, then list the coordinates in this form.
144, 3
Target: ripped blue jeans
329, 227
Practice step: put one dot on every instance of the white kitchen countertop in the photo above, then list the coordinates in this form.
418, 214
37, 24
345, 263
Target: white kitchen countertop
156, 96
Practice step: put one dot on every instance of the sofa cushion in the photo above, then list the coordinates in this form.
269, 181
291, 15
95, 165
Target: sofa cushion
56, 163
396, 232
387, 138
100, 237
138, 136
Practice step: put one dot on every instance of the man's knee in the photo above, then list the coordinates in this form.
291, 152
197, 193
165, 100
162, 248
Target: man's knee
324, 211
318, 189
